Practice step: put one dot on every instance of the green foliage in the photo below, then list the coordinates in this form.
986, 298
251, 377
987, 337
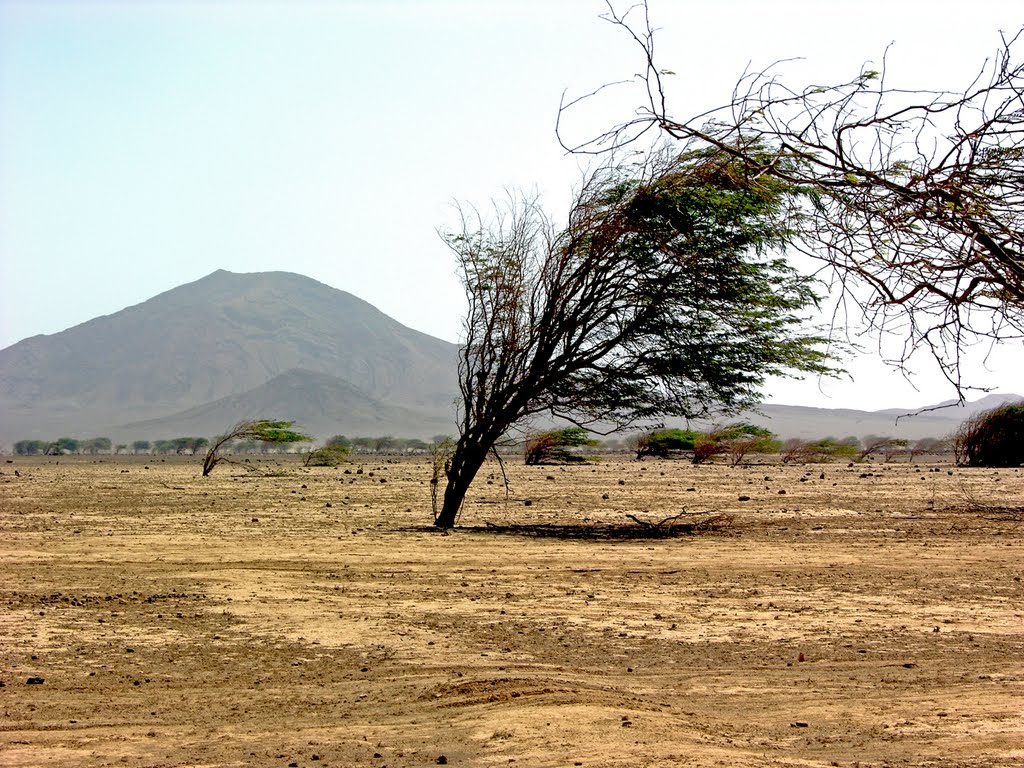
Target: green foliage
330, 455
738, 440
339, 441
140, 446
819, 451
96, 445
554, 447
993, 438
364, 444
30, 447
665, 442
63, 445
267, 431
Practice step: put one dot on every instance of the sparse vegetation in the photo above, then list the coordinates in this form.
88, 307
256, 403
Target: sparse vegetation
329, 455
885, 446
826, 449
556, 446
736, 440
663, 443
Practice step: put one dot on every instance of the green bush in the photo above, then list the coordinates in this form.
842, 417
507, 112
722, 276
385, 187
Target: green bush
330, 455
664, 442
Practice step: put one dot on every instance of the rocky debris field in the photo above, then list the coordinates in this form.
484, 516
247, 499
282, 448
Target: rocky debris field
607, 614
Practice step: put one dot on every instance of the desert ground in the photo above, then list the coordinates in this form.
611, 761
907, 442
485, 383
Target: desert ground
831, 615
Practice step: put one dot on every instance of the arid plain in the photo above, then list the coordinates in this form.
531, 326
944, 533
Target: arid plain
867, 615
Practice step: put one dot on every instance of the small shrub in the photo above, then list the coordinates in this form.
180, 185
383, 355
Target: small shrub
663, 443
555, 447
328, 456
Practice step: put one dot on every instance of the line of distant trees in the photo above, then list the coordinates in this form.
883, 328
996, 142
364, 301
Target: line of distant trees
733, 441
189, 446
65, 446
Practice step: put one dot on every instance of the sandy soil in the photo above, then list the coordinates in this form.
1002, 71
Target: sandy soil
867, 615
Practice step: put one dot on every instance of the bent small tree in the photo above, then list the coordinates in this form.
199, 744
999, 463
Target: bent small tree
261, 430
663, 295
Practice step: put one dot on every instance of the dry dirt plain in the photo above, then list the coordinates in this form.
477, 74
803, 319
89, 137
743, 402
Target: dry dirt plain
870, 615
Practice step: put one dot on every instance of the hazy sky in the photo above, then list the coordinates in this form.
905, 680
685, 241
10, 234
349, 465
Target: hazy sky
146, 144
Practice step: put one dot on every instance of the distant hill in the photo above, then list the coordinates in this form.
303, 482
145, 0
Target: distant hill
222, 336
911, 423
331, 405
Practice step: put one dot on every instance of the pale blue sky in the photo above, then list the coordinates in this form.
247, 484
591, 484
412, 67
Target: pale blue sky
146, 144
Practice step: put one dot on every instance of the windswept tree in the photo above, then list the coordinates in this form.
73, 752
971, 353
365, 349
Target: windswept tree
265, 431
913, 199
662, 295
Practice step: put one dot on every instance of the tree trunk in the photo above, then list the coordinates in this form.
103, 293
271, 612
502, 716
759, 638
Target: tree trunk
466, 462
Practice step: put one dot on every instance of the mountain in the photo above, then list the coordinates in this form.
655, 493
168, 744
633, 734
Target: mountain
224, 335
307, 397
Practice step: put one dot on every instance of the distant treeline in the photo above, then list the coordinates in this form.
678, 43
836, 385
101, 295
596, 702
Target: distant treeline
657, 443
188, 446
